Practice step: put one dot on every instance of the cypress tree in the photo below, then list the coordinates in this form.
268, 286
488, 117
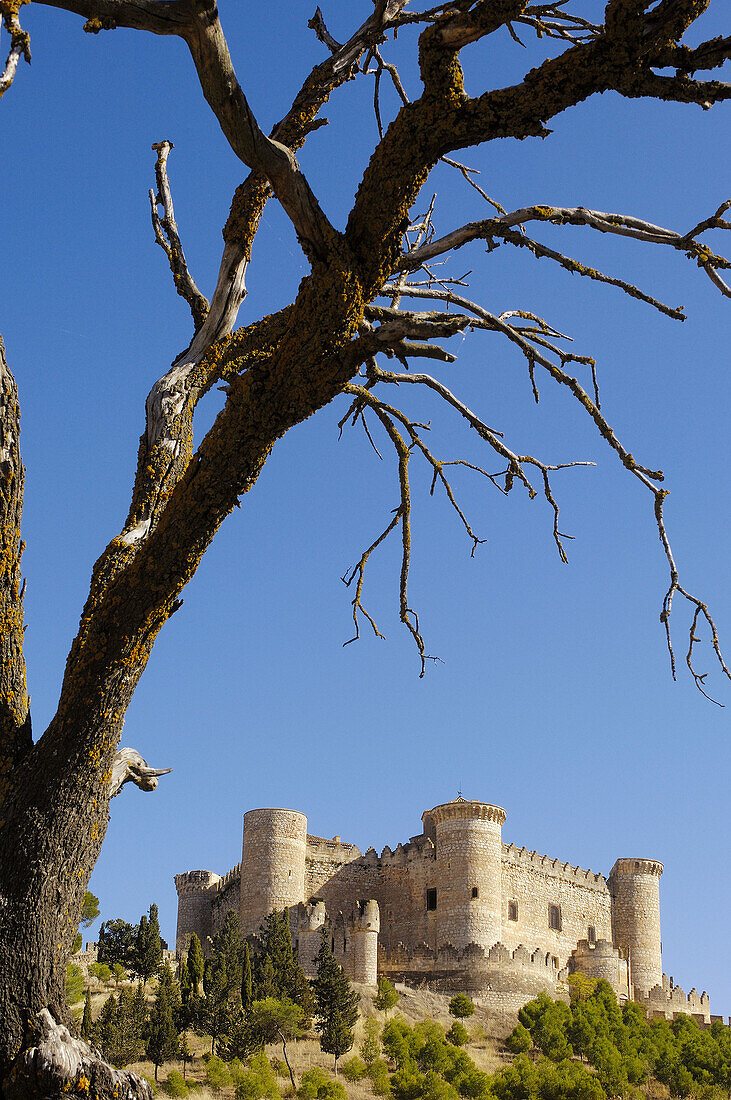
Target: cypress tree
87, 1023
228, 949
195, 964
148, 949
162, 1037
336, 1004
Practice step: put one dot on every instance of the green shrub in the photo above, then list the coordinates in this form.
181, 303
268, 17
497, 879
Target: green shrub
316, 1084
279, 1066
457, 1034
217, 1074
100, 971
519, 1040
258, 1081
461, 1006
377, 1070
370, 1048
353, 1069
175, 1085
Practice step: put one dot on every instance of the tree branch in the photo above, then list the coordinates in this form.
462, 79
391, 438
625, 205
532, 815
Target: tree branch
167, 236
19, 43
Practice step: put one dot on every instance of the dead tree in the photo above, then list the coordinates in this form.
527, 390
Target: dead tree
370, 300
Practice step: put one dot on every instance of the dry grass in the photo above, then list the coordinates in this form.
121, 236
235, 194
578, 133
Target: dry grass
414, 1006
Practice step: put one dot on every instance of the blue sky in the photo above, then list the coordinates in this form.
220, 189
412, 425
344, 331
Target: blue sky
554, 698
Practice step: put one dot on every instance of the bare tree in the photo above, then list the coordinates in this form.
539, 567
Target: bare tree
348, 315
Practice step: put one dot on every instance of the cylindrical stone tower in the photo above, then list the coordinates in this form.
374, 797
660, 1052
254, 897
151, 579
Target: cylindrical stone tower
364, 943
468, 872
634, 886
195, 897
272, 864
310, 923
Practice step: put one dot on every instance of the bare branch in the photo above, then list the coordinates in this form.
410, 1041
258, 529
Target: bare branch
167, 236
618, 224
19, 43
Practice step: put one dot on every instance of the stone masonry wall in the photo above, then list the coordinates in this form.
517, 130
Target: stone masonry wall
535, 882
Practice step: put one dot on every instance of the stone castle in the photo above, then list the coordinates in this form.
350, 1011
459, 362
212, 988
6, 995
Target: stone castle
455, 909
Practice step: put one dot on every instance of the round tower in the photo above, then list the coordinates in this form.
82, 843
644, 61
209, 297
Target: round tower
634, 886
195, 900
468, 900
311, 920
364, 943
272, 864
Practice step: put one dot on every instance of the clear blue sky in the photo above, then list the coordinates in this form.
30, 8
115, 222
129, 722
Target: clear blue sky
554, 698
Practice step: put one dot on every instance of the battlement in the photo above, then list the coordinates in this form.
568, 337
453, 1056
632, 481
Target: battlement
334, 849
555, 867
637, 867
196, 882
668, 999
461, 808
234, 875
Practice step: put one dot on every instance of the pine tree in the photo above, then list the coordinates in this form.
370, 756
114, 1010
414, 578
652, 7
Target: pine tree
247, 995
195, 964
336, 1004
162, 1038
87, 1022
277, 972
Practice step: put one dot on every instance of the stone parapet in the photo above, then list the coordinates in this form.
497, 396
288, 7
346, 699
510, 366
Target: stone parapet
591, 880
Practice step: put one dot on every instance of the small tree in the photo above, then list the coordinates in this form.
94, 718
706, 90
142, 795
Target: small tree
116, 943
89, 909
271, 1019
74, 983
162, 1039
457, 1034
247, 988
461, 1007
336, 1005
118, 973
195, 964
519, 1040
87, 1021
370, 1048
386, 997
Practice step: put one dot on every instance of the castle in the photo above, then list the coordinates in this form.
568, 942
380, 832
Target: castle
455, 909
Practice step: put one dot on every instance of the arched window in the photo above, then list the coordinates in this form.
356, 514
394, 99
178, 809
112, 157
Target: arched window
475, 891
512, 910
554, 917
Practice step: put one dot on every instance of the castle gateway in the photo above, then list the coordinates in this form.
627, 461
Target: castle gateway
455, 908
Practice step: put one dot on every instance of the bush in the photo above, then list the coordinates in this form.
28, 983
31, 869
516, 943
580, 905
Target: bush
461, 1006
100, 971
457, 1034
175, 1085
258, 1081
317, 1085
279, 1066
370, 1048
353, 1069
377, 1070
217, 1074
519, 1040
386, 997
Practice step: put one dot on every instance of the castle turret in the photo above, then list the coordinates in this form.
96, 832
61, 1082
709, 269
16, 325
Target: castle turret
272, 864
363, 958
634, 886
468, 898
310, 923
195, 901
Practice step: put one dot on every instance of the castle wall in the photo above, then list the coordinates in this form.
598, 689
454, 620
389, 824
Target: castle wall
533, 883
196, 890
